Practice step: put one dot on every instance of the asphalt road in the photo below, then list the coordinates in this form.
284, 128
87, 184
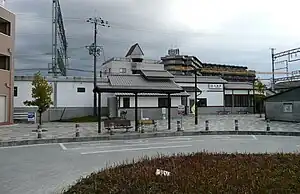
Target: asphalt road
49, 168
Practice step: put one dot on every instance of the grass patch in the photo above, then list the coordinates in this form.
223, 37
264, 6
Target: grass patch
198, 173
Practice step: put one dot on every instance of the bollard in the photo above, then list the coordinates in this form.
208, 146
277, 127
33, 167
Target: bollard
142, 128
77, 130
236, 125
206, 125
268, 125
178, 126
155, 126
39, 132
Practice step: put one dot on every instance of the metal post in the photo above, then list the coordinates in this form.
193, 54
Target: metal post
236, 125
196, 107
136, 111
95, 68
99, 112
169, 111
273, 69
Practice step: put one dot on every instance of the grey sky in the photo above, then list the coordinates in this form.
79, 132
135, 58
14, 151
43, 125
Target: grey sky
225, 32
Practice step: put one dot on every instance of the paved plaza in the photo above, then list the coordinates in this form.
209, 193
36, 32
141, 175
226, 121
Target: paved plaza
216, 123
48, 168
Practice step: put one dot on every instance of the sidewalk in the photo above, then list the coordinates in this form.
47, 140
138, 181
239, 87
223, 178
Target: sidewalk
58, 130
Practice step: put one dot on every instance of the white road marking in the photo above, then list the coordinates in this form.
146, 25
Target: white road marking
254, 137
131, 145
136, 141
135, 149
221, 137
63, 147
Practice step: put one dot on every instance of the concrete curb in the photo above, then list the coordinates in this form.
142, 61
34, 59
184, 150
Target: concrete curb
143, 135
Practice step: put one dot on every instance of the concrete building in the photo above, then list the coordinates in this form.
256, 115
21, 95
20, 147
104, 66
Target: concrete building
284, 106
73, 95
7, 41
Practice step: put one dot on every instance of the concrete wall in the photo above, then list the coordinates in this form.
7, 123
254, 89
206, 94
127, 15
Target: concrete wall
63, 113
215, 97
274, 111
150, 101
67, 95
7, 45
151, 113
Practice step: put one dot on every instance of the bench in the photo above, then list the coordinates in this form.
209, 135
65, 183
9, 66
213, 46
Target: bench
222, 112
21, 117
242, 112
117, 124
146, 122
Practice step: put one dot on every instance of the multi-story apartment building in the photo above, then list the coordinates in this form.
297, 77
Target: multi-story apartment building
7, 39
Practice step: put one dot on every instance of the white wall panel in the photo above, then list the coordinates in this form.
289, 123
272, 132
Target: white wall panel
24, 92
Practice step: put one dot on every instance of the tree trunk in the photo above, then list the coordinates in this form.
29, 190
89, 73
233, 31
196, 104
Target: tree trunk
40, 119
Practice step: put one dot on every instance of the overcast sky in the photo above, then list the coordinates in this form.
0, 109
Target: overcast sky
225, 32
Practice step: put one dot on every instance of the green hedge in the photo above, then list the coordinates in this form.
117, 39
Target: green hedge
198, 173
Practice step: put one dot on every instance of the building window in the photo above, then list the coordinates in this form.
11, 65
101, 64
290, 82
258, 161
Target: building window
241, 101
202, 102
287, 107
81, 90
4, 27
228, 100
122, 70
5, 62
15, 91
126, 102
162, 102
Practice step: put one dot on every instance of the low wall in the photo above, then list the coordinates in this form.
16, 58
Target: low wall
62, 113
151, 113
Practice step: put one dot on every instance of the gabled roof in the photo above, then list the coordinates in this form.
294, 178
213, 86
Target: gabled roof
135, 47
138, 84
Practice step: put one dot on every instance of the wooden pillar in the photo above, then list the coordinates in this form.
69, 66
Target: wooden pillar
99, 112
169, 111
136, 111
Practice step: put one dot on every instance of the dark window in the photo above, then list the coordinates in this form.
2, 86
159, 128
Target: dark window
162, 102
81, 90
5, 62
15, 91
228, 100
126, 102
241, 100
4, 27
202, 102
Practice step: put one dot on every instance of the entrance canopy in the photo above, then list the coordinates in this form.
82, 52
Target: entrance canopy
137, 84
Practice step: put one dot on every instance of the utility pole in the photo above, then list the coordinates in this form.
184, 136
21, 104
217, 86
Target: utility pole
95, 51
273, 69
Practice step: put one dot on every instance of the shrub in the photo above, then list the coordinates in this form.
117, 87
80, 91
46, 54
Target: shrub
198, 173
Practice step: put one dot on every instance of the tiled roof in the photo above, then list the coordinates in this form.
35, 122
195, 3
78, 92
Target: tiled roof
152, 94
137, 83
239, 85
157, 74
200, 79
